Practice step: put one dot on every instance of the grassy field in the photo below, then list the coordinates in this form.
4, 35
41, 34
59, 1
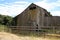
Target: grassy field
38, 36
10, 36
4, 28
32, 35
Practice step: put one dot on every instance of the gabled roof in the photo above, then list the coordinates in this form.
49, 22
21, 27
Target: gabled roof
32, 4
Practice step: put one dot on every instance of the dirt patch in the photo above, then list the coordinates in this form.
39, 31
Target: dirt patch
8, 36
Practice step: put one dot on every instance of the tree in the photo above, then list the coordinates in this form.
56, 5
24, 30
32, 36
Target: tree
5, 21
1, 19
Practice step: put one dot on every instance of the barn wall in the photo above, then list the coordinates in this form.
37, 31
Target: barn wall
28, 17
51, 21
56, 21
36, 17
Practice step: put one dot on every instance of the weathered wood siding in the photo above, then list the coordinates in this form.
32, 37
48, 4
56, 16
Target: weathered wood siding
28, 17
36, 16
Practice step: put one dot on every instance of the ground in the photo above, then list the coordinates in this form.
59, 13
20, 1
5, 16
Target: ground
9, 36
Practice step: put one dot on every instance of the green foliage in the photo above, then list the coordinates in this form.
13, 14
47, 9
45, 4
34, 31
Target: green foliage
49, 14
5, 20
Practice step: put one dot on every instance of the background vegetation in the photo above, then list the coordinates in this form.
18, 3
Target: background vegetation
5, 20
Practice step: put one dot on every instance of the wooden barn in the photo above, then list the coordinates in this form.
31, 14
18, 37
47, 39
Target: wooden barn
34, 16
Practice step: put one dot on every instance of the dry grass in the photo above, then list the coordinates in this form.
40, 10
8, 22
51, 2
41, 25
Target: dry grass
38, 36
26, 35
9, 36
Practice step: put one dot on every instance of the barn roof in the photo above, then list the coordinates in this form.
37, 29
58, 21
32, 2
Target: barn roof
28, 7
